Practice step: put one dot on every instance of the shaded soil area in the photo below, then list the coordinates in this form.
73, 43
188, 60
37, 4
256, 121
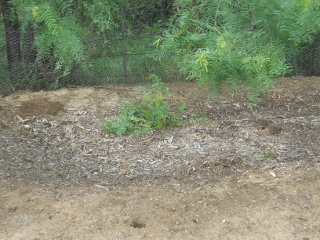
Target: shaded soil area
227, 173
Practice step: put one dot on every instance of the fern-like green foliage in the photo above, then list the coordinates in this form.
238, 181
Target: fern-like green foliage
140, 117
58, 37
240, 44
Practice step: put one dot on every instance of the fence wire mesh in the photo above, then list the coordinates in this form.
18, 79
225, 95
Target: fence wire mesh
126, 56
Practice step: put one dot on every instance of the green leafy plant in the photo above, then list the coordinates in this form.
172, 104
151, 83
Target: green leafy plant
181, 107
54, 86
47, 39
140, 117
241, 45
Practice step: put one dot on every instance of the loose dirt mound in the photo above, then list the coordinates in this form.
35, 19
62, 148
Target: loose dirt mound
229, 173
36, 107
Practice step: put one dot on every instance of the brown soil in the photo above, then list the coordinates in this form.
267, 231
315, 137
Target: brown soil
39, 106
228, 173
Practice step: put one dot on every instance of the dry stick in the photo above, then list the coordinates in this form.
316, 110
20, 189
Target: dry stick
216, 16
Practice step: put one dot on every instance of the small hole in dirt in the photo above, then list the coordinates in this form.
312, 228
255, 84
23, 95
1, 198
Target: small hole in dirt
137, 224
12, 209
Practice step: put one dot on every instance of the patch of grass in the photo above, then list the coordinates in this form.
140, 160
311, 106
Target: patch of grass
200, 117
268, 156
150, 113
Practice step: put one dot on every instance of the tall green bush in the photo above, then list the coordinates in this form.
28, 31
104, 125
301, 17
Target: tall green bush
240, 44
47, 41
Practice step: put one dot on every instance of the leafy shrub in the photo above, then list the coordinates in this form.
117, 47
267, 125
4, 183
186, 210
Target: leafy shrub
239, 44
140, 117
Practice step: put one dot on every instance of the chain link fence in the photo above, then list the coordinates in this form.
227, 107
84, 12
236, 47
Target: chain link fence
125, 58
307, 61
128, 56
119, 58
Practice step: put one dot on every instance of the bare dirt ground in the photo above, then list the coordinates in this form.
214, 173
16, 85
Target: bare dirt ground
227, 173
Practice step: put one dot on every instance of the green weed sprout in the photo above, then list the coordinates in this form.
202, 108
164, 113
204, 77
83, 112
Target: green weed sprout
140, 117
